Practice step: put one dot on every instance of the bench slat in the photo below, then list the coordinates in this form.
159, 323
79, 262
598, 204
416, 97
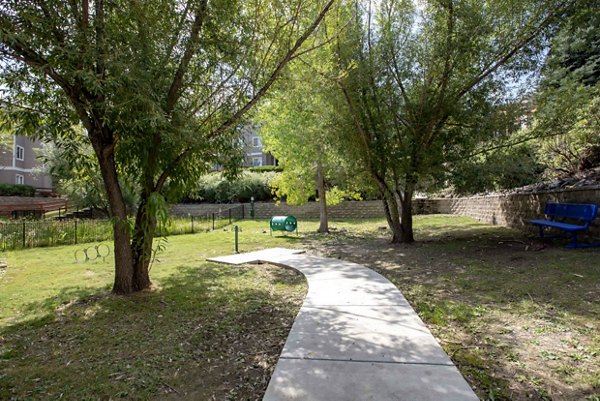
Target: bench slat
557, 224
577, 211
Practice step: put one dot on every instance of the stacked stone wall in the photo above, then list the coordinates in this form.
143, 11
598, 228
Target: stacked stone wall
514, 210
266, 210
511, 210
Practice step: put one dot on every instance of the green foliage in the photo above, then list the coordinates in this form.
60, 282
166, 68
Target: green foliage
567, 117
76, 176
503, 169
420, 81
263, 169
295, 188
6, 130
503, 155
298, 126
16, 190
568, 122
161, 88
217, 188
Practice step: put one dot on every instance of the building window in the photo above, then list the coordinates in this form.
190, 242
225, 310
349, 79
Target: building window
19, 152
19, 179
256, 161
256, 141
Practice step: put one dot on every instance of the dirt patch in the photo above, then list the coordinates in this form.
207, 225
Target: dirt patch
237, 364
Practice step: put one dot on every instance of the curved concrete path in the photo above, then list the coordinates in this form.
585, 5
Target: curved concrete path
355, 338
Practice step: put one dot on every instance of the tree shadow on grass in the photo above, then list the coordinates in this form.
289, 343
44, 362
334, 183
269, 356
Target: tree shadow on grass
205, 331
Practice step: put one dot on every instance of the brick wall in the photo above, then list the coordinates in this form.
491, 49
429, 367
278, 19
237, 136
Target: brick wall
510, 210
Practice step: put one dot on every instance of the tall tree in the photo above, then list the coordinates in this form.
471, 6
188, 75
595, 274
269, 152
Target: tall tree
297, 126
420, 78
159, 87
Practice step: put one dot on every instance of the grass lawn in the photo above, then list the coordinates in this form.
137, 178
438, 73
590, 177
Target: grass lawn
520, 322
204, 331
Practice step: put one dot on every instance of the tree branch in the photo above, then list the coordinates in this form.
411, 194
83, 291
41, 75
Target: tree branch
276, 72
447, 61
494, 65
184, 15
32, 58
162, 179
321, 44
175, 89
99, 25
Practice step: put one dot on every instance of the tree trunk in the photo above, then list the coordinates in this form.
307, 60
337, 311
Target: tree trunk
390, 207
123, 283
406, 222
322, 194
398, 213
141, 246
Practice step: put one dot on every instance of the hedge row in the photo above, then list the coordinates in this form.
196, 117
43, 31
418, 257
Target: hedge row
16, 190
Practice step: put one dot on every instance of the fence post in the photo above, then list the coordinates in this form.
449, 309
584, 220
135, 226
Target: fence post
243, 212
75, 231
237, 229
23, 233
213, 218
229, 216
192, 217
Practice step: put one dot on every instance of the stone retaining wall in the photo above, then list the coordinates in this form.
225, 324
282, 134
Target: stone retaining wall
515, 209
265, 210
510, 210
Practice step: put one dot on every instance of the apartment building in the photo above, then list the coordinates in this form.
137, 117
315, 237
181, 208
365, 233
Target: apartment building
254, 155
19, 164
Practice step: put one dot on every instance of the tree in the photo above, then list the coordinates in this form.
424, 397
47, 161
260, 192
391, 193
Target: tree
420, 79
567, 117
159, 87
297, 127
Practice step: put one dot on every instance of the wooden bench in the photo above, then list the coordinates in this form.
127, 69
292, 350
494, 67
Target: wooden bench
582, 212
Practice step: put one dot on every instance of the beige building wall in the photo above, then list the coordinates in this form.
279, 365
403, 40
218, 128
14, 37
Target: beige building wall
19, 164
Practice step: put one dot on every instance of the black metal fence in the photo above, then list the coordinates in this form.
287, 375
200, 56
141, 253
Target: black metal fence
203, 223
43, 233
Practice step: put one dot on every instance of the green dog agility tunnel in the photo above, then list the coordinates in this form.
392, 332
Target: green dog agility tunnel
283, 223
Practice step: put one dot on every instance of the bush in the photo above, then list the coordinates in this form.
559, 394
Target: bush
215, 188
16, 190
264, 169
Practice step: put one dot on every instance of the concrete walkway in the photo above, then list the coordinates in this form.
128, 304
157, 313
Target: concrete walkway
356, 338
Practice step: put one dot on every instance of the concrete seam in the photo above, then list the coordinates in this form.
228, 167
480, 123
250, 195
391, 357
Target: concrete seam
292, 358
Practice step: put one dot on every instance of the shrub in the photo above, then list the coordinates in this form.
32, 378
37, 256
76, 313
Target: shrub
264, 169
215, 188
16, 190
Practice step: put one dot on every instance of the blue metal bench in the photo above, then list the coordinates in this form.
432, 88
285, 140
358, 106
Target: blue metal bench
584, 212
